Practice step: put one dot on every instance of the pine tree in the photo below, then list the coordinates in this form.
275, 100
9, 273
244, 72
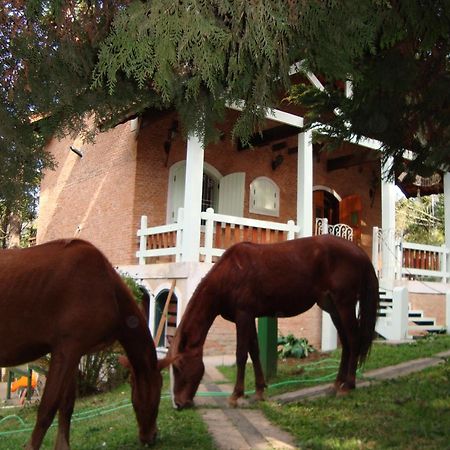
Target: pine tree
62, 61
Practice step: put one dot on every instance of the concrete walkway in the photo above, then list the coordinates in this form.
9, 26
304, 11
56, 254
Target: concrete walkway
244, 428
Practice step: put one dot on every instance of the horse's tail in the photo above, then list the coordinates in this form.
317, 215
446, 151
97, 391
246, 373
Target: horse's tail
369, 299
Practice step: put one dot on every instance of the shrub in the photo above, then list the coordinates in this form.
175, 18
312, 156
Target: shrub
291, 347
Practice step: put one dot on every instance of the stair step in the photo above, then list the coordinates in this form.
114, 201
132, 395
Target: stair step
415, 313
423, 320
426, 328
383, 303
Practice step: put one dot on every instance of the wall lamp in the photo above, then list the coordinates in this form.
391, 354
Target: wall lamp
77, 151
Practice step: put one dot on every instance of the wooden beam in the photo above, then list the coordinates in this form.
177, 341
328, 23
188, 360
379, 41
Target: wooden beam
277, 133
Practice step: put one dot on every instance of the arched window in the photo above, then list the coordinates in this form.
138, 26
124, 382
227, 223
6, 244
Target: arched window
264, 197
177, 179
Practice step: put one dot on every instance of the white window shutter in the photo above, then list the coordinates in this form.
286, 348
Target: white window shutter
264, 197
231, 194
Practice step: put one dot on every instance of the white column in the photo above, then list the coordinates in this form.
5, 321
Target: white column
447, 311
305, 184
192, 199
388, 223
399, 320
329, 332
447, 219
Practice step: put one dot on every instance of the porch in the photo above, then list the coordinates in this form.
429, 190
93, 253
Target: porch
414, 278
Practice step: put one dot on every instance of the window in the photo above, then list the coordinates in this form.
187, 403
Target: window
264, 197
209, 189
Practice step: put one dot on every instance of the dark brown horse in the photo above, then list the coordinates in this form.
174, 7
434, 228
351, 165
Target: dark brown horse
278, 280
66, 299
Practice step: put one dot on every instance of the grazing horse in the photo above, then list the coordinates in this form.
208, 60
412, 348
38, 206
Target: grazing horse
277, 280
66, 299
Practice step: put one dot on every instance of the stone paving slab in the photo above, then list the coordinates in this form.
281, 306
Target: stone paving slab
372, 376
245, 429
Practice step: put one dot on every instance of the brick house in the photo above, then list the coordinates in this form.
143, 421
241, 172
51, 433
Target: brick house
144, 167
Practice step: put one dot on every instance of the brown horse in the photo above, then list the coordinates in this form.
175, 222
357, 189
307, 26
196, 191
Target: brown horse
278, 280
66, 299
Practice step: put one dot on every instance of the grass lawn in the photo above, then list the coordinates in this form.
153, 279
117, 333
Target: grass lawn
116, 429
318, 368
407, 413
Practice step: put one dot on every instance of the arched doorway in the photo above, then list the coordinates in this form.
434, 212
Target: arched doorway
325, 205
170, 321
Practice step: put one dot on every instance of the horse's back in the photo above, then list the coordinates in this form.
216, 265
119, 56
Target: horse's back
288, 278
60, 290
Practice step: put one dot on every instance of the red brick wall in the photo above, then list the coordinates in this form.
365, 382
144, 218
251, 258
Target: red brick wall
433, 305
94, 194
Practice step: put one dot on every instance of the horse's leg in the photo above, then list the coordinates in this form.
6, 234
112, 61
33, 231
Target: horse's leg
260, 383
62, 367
343, 366
350, 349
243, 324
65, 413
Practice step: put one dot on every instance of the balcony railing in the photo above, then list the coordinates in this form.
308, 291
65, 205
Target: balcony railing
409, 260
219, 231
164, 243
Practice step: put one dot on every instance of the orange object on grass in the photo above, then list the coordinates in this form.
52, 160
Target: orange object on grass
22, 382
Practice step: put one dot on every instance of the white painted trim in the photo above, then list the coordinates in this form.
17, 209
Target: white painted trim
320, 187
273, 114
212, 171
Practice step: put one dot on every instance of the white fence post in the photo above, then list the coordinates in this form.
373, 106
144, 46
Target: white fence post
375, 247
329, 332
398, 264
143, 239
209, 233
447, 311
399, 321
291, 230
179, 242
443, 262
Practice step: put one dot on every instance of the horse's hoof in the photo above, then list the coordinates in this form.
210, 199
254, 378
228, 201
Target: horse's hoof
233, 402
259, 397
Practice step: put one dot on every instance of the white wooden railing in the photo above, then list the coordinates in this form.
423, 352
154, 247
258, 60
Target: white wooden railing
340, 229
218, 233
409, 260
222, 231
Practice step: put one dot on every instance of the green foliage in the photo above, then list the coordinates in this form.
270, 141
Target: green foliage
401, 81
203, 53
134, 286
63, 62
101, 371
291, 347
421, 219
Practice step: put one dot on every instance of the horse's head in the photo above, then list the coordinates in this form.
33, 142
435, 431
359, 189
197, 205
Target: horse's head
186, 372
145, 395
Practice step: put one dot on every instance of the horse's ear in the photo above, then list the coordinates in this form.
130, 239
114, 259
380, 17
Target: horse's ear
166, 362
124, 361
